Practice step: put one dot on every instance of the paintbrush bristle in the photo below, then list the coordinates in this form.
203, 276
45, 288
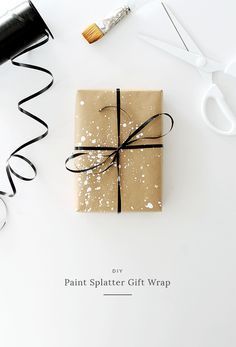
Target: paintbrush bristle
92, 33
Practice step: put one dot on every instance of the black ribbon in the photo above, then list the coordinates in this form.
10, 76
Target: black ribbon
113, 159
15, 154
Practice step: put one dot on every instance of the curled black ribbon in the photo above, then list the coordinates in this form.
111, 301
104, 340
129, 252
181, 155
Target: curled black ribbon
113, 159
15, 154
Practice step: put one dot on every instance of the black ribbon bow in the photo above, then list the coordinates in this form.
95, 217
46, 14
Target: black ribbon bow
113, 159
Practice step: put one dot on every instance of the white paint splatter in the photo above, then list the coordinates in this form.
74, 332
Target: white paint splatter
82, 103
149, 205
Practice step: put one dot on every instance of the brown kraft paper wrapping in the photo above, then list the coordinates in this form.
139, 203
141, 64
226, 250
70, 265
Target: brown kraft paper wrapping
140, 169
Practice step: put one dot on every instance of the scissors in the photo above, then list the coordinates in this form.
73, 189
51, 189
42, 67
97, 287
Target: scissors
192, 55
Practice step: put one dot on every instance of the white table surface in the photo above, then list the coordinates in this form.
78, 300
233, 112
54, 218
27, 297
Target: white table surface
192, 243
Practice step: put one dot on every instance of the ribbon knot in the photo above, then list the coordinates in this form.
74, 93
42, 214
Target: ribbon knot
113, 159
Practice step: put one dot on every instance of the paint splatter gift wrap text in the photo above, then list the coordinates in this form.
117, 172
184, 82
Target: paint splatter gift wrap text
119, 150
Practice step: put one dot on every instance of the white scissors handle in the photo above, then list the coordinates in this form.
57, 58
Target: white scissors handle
215, 94
231, 69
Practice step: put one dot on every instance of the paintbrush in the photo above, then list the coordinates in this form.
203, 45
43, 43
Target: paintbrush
96, 31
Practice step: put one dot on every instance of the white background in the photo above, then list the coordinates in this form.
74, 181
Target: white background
192, 243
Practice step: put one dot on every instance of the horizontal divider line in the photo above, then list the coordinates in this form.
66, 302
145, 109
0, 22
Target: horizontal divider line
117, 294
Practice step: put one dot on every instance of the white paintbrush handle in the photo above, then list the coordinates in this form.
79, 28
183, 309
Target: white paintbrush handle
113, 18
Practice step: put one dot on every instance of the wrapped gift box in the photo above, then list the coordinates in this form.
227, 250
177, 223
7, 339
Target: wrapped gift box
130, 180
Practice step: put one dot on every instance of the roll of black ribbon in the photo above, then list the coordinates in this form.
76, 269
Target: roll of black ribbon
22, 29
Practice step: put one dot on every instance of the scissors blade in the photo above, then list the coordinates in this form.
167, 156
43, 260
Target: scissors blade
189, 44
180, 53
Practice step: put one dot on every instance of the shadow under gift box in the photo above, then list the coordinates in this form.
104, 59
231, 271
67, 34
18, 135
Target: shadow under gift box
140, 169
